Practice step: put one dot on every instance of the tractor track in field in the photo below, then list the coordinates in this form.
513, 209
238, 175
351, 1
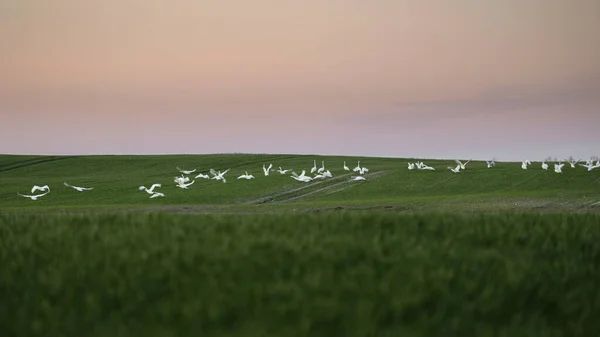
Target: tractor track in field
291, 195
30, 162
342, 185
270, 197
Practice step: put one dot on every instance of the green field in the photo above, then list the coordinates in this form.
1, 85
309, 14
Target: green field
486, 252
390, 185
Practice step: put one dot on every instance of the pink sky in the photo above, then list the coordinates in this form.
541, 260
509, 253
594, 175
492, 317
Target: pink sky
449, 78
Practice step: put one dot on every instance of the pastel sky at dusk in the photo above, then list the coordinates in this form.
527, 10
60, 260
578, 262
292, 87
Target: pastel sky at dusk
509, 79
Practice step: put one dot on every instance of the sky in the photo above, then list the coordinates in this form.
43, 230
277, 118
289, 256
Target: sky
509, 80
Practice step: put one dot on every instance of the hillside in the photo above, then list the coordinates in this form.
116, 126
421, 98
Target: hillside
454, 266
389, 184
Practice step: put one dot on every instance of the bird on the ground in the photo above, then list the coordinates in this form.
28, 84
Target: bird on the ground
302, 177
558, 167
423, 166
490, 163
346, 167
267, 169
322, 168
157, 194
411, 166
544, 165
314, 168
357, 178
246, 176
282, 171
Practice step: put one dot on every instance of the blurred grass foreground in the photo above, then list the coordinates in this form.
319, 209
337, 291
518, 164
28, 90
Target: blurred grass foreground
334, 274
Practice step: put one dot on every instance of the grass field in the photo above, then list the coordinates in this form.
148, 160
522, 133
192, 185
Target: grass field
390, 185
486, 252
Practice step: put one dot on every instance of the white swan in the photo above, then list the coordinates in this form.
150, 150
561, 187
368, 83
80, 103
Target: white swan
346, 167
151, 189
357, 178
322, 168
462, 165
157, 194
44, 188
455, 169
544, 165
33, 197
267, 169
80, 189
357, 168
423, 166
282, 171
573, 162
203, 176
490, 163
411, 166
590, 166
302, 177
181, 180
558, 167
185, 186
219, 175
186, 171
246, 176
301, 174
314, 168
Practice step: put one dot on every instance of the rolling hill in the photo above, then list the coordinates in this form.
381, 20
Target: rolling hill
389, 185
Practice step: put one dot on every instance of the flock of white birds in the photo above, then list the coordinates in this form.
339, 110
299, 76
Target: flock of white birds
184, 181
589, 165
